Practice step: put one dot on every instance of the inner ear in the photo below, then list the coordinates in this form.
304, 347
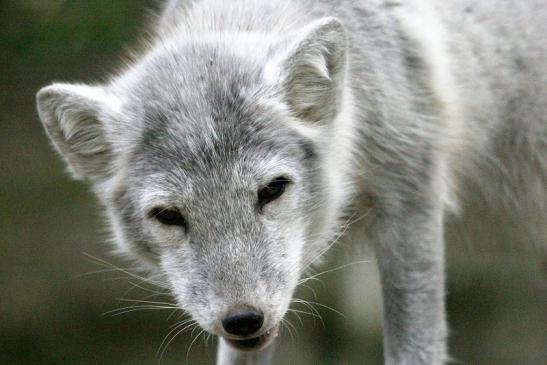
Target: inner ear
74, 117
311, 69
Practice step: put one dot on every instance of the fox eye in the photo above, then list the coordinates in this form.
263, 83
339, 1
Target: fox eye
169, 217
272, 191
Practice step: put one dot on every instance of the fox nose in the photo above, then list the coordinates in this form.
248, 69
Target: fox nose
243, 321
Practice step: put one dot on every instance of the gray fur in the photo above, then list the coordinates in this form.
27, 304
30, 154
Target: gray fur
402, 113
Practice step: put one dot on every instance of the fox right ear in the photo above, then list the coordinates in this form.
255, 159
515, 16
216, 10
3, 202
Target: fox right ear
311, 68
74, 117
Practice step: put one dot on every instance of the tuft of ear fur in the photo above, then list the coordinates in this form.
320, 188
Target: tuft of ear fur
74, 117
311, 69
174, 11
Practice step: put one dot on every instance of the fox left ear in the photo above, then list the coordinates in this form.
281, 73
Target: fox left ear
311, 69
76, 119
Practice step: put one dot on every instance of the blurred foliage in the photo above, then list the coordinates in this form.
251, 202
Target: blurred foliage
60, 32
51, 314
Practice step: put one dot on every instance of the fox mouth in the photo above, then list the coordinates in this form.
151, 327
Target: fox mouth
255, 343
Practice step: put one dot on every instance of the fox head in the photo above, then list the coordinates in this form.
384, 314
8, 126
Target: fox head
212, 158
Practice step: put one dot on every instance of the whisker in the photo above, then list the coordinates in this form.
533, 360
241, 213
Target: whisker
296, 311
345, 227
183, 322
327, 307
309, 288
109, 265
145, 301
141, 287
208, 338
118, 312
312, 308
313, 277
172, 338
192, 343
297, 314
172, 314
285, 323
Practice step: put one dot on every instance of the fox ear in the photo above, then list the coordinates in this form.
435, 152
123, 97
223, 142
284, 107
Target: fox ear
311, 69
74, 117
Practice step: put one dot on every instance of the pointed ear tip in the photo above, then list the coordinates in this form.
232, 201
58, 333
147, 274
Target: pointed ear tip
333, 24
43, 102
331, 30
47, 93
49, 97
54, 89
54, 94
44, 93
333, 21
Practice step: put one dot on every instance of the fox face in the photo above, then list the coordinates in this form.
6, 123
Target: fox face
209, 160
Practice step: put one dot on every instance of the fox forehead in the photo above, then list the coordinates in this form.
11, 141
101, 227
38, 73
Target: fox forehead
213, 129
235, 144
202, 73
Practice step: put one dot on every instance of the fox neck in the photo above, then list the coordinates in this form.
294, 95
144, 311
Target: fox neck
340, 175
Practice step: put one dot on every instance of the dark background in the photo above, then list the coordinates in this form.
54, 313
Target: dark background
52, 312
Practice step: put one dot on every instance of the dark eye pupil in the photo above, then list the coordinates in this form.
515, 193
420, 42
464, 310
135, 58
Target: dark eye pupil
169, 217
272, 191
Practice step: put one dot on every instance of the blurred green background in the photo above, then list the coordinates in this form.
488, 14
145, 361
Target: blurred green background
50, 313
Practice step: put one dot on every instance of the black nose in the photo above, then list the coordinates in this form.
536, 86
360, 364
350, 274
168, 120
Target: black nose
243, 321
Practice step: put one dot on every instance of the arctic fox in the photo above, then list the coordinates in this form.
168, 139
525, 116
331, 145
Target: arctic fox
230, 154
